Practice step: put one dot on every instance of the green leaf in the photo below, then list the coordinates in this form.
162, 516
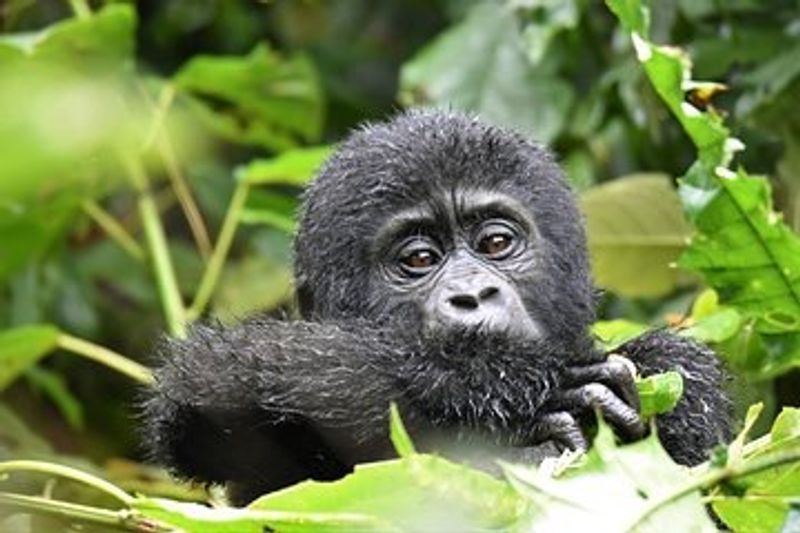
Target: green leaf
22, 347
400, 437
421, 492
478, 65
763, 501
546, 19
636, 232
659, 393
626, 484
614, 333
257, 99
293, 167
743, 249
105, 41
715, 327
200, 518
632, 16
786, 428
270, 208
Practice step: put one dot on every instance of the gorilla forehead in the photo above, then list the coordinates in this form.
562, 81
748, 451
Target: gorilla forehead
424, 155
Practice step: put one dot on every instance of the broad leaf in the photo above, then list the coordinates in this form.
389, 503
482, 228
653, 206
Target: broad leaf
293, 167
104, 41
22, 347
260, 98
421, 492
635, 487
478, 65
636, 232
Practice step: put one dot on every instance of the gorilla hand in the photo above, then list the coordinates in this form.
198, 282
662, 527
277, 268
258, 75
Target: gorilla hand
604, 387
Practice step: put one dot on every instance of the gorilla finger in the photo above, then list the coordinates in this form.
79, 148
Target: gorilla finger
562, 428
614, 374
596, 396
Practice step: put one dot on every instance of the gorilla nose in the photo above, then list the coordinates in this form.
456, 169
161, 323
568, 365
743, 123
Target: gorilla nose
471, 301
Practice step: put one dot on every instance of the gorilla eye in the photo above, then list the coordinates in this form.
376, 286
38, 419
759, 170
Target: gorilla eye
496, 241
418, 258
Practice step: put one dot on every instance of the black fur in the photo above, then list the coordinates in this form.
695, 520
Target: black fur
268, 403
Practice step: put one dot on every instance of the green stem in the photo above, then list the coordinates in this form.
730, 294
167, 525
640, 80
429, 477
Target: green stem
714, 477
113, 229
174, 311
214, 268
158, 137
106, 357
53, 469
124, 519
80, 8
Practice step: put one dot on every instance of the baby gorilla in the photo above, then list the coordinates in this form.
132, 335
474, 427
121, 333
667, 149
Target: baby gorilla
441, 264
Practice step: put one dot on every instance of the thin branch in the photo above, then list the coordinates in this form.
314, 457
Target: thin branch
113, 229
124, 519
714, 477
214, 268
174, 311
74, 474
107, 357
158, 137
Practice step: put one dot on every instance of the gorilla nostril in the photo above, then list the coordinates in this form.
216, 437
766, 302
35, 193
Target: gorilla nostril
487, 293
463, 301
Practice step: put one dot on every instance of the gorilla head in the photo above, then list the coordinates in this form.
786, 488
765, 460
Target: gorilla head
440, 219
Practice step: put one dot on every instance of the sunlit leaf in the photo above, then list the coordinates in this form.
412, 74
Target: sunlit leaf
614, 333
293, 167
104, 41
624, 481
421, 492
659, 393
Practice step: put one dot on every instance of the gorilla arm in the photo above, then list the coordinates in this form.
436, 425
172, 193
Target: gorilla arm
267, 403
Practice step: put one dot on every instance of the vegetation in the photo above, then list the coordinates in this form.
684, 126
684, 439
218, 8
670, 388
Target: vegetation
150, 162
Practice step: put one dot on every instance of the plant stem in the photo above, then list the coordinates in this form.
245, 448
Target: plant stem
174, 311
106, 357
80, 8
74, 474
158, 137
113, 229
714, 477
124, 519
214, 268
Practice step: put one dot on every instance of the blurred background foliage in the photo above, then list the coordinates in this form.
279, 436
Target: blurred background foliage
152, 153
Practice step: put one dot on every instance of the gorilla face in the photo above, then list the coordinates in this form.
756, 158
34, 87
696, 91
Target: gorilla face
459, 226
460, 258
